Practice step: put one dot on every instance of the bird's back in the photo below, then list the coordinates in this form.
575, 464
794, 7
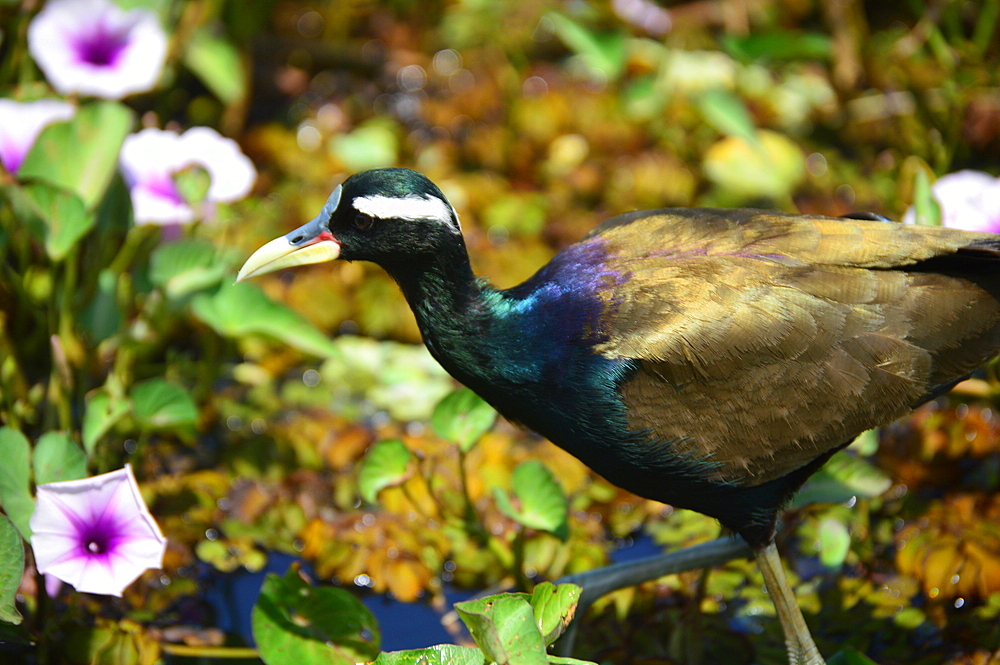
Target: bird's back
766, 340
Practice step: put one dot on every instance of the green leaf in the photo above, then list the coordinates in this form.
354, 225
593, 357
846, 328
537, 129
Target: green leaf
102, 317
849, 657
770, 167
386, 465
370, 146
102, 413
565, 660
842, 477
242, 309
554, 607
157, 404
64, 216
782, 45
504, 628
604, 51
542, 503
15, 479
442, 654
217, 63
185, 266
925, 206
11, 569
463, 417
728, 114
294, 623
80, 155
834, 542
57, 458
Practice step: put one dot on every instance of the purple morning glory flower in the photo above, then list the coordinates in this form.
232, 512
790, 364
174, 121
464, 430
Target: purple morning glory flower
95, 533
93, 47
22, 122
969, 200
152, 159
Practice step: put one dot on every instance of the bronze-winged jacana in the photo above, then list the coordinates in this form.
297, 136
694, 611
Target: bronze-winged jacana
710, 359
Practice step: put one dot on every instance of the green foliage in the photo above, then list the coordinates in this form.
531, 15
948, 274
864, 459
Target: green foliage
61, 215
554, 608
238, 310
56, 458
294, 622
15, 479
11, 569
386, 465
103, 412
81, 155
462, 418
159, 404
218, 64
844, 476
185, 267
442, 654
539, 502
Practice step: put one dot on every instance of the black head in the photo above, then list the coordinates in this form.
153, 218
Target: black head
390, 216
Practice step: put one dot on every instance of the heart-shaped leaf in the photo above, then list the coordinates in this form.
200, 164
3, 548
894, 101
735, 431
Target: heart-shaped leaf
11, 570
554, 607
65, 218
462, 417
296, 623
57, 458
243, 309
158, 404
185, 266
541, 503
80, 155
101, 414
504, 628
386, 465
15, 479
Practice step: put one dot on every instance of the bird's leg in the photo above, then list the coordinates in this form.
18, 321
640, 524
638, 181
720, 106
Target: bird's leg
801, 648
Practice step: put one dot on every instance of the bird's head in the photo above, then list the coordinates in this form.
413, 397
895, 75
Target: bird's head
388, 216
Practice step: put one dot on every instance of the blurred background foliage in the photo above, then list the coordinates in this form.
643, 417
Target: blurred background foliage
297, 417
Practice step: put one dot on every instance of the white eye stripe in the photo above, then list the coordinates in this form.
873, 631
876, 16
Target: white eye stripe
410, 208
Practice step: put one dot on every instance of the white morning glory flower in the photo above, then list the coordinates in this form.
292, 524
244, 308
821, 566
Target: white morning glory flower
969, 200
95, 533
93, 47
22, 122
152, 159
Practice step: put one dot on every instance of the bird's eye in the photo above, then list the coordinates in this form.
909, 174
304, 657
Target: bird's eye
363, 221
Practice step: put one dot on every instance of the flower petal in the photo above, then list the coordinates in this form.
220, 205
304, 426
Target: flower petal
96, 533
22, 122
94, 48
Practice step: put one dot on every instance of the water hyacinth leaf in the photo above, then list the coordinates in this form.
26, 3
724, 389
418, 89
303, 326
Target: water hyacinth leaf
217, 63
925, 206
604, 52
504, 628
542, 504
102, 413
64, 216
57, 458
296, 623
842, 477
441, 654
463, 417
728, 114
771, 167
81, 155
11, 569
157, 404
386, 465
15, 479
370, 146
185, 266
554, 608
242, 309
834, 542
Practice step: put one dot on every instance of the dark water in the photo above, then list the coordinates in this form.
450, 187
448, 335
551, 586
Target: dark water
403, 625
